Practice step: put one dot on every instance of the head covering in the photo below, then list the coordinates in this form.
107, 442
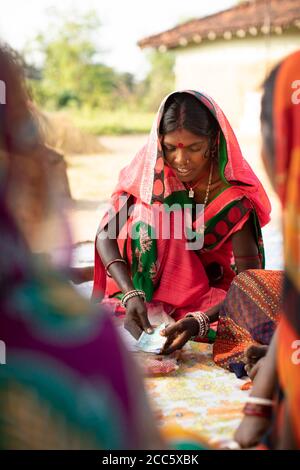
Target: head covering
150, 180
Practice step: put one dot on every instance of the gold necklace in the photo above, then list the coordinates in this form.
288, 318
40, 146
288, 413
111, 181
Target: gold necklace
191, 190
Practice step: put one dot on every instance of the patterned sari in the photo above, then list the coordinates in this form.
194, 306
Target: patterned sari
249, 315
182, 279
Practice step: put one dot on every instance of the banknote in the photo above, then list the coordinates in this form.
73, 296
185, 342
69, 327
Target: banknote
152, 343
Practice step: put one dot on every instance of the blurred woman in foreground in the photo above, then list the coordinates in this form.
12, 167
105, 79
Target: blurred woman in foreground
68, 382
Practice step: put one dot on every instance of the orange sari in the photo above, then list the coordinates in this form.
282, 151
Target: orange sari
286, 121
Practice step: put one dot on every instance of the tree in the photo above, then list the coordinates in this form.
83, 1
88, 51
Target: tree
72, 73
160, 80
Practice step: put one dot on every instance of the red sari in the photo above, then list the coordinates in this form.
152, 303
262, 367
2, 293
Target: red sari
163, 266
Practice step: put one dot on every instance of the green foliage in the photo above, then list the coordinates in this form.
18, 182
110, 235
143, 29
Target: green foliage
160, 80
73, 77
72, 74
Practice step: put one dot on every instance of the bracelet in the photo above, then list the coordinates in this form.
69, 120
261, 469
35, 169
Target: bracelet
131, 294
203, 321
260, 401
261, 411
117, 260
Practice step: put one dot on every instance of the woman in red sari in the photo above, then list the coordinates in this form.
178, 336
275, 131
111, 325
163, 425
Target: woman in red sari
191, 158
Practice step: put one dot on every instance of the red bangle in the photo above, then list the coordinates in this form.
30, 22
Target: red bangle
261, 411
117, 260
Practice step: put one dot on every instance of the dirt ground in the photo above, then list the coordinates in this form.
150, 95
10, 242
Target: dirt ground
92, 179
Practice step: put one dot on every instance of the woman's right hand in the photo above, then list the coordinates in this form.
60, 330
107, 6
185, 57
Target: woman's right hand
136, 320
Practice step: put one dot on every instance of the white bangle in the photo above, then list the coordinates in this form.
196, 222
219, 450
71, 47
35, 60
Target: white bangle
131, 294
260, 401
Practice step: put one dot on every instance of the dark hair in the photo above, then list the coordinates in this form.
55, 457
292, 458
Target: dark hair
184, 111
266, 114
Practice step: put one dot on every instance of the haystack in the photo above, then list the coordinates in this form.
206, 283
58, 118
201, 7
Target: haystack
61, 134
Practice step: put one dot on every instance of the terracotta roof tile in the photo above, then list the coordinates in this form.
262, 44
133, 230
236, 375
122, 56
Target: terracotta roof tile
248, 18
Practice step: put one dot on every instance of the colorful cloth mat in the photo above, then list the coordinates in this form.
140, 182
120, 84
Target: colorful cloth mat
199, 396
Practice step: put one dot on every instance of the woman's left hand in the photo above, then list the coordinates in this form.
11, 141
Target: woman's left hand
251, 430
179, 333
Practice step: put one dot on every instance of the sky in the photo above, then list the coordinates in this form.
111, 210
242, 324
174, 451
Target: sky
124, 22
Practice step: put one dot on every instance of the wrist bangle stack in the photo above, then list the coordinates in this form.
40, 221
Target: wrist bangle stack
260, 407
203, 321
131, 294
117, 260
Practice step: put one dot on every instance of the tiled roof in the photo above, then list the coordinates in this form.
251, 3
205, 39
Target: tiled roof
246, 19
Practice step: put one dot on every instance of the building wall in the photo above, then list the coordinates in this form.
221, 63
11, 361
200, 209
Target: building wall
233, 71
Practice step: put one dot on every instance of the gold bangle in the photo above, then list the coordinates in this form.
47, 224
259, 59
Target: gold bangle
131, 294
